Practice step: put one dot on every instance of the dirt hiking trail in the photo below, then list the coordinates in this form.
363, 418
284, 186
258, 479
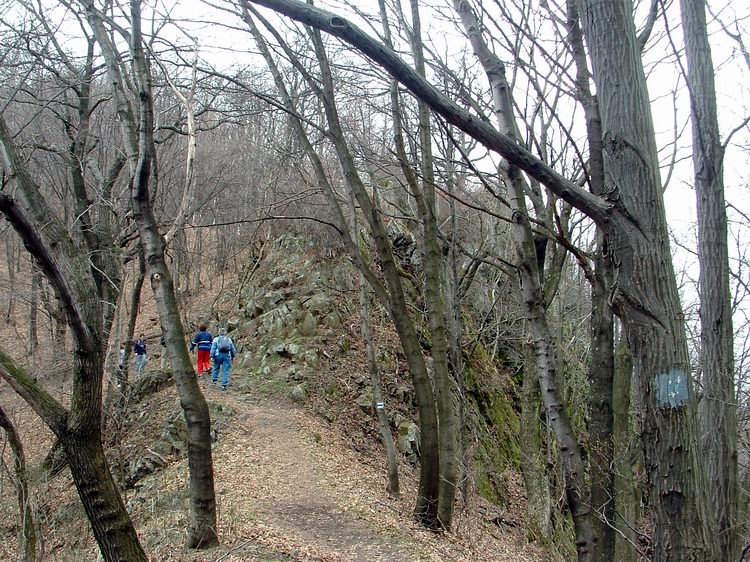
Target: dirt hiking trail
289, 489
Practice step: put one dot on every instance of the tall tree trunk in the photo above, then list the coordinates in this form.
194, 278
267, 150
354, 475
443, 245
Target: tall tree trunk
34, 311
27, 529
626, 460
601, 378
645, 293
602, 360
719, 404
455, 328
433, 291
426, 509
203, 528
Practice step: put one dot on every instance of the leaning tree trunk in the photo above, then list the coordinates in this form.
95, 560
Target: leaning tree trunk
393, 297
545, 350
719, 404
27, 529
426, 509
98, 491
78, 276
377, 393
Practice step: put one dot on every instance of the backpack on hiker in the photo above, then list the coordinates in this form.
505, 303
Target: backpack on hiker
224, 345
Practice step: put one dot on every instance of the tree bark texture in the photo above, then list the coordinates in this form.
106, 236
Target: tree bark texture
719, 404
645, 291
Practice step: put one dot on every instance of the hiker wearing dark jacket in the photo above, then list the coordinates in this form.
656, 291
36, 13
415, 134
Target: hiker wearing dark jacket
202, 341
222, 352
141, 356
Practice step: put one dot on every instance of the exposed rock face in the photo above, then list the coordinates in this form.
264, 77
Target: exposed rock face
233, 323
408, 439
149, 383
309, 325
286, 308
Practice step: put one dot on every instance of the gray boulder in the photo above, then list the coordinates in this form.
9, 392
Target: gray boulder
365, 402
309, 326
300, 393
408, 438
233, 323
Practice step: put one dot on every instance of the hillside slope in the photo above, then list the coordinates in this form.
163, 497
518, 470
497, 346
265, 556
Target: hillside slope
289, 487
300, 473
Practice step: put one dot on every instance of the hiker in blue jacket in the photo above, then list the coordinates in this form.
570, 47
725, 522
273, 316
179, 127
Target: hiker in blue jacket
141, 356
222, 352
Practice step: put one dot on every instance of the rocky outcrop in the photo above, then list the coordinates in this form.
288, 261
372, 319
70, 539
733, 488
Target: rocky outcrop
171, 443
149, 383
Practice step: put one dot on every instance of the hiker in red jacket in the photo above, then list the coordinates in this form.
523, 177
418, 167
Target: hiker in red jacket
202, 341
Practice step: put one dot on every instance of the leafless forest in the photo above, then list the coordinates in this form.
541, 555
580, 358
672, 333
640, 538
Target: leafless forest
540, 206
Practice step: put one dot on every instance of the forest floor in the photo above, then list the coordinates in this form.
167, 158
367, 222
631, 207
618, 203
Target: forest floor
289, 488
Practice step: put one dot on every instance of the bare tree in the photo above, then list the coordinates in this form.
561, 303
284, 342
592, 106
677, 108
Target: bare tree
631, 214
79, 286
719, 406
138, 137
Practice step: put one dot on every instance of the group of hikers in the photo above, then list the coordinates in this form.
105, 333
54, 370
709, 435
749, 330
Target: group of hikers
220, 349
